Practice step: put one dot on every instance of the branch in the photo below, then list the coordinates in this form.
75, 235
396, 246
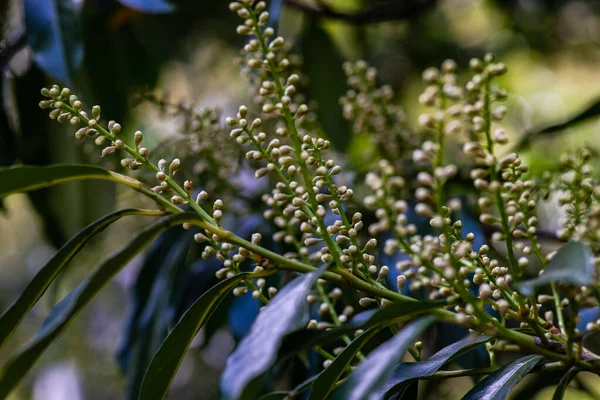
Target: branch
13, 45
393, 11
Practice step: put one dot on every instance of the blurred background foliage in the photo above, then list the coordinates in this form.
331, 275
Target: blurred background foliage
179, 55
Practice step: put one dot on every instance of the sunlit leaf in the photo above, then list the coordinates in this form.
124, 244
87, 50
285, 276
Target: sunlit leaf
572, 264
255, 354
23, 178
497, 385
327, 379
54, 36
12, 317
403, 373
371, 373
64, 312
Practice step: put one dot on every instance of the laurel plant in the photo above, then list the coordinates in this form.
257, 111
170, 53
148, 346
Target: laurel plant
353, 281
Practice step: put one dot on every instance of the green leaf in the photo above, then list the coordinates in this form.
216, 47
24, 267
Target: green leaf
327, 379
280, 395
23, 178
572, 264
257, 351
12, 317
323, 64
403, 374
306, 338
54, 36
564, 383
169, 356
18, 365
371, 373
591, 111
497, 385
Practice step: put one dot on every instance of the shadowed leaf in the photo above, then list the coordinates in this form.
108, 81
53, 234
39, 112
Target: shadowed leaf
497, 385
256, 353
54, 36
327, 379
403, 374
64, 312
169, 356
13, 316
371, 373
572, 264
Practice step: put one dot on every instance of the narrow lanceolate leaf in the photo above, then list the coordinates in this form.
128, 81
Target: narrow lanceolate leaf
327, 379
403, 374
12, 317
564, 383
23, 178
18, 365
54, 36
497, 385
572, 264
169, 356
149, 6
306, 338
370, 374
256, 353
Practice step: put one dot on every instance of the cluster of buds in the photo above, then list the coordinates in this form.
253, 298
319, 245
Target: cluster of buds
67, 107
201, 144
372, 111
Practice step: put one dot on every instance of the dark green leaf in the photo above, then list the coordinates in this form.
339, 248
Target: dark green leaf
12, 317
371, 373
571, 264
287, 312
323, 64
290, 394
592, 111
53, 33
564, 383
306, 338
406, 372
69, 307
327, 379
149, 6
166, 361
23, 178
497, 385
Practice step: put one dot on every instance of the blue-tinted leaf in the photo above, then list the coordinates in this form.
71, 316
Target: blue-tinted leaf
149, 6
327, 379
497, 385
572, 264
70, 306
564, 383
405, 372
54, 36
166, 362
256, 353
12, 317
371, 373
